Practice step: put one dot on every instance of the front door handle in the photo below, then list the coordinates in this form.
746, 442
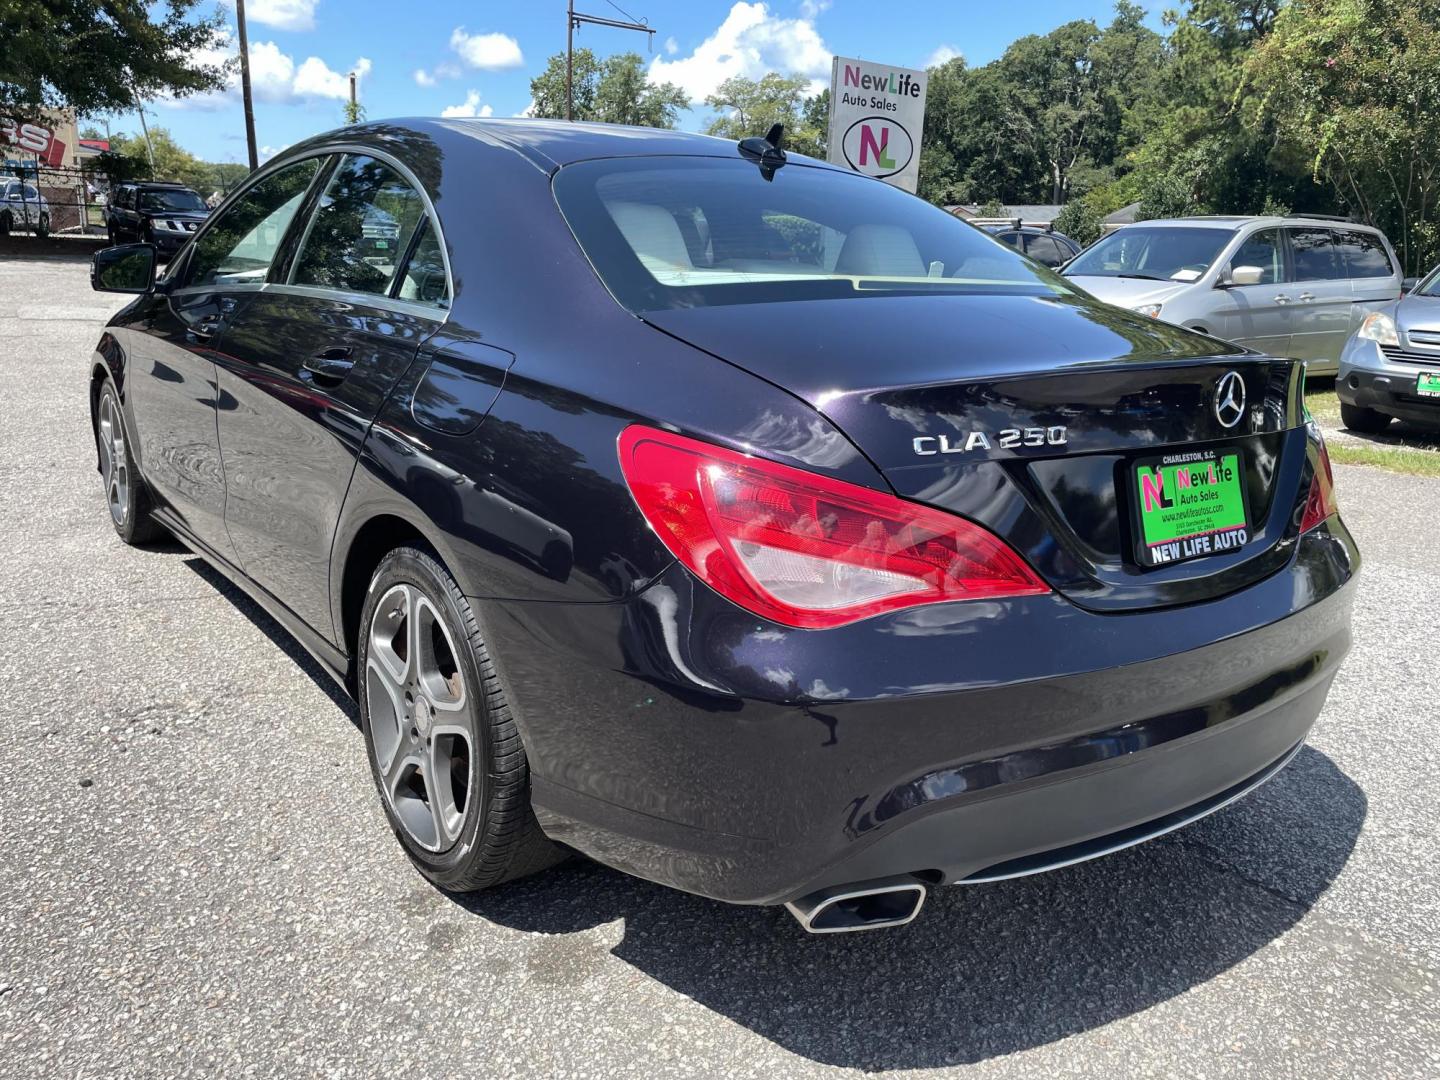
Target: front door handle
207, 325
330, 365
1282, 298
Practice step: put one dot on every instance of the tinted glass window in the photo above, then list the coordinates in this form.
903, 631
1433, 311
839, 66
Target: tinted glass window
1364, 254
423, 279
240, 244
1011, 238
1155, 252
171, 200
1045, 250
361, 229
1315, 256
1263, 249
701, 232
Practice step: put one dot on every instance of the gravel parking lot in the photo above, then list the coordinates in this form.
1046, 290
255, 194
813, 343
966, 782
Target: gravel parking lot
195, 877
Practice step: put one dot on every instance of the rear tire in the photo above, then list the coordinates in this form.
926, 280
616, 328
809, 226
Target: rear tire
5, 224
42, 230
444, 751
125, 492
1366, 421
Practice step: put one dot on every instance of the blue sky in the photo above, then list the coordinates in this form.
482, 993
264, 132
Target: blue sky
424, 57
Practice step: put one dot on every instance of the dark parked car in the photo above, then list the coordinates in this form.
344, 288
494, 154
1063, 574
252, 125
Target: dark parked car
741, 522
1041, 243
151, 212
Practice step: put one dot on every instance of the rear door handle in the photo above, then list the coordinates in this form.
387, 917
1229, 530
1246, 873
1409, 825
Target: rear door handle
330, 365
1307, 296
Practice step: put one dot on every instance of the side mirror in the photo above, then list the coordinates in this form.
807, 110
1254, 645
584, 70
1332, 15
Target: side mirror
125, 268
1245, 275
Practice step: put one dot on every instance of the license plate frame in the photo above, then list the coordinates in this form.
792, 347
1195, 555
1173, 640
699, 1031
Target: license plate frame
1427, 384
1174, 519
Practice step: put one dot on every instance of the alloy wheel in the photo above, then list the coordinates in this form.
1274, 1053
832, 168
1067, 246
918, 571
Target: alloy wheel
114, 464
422, 720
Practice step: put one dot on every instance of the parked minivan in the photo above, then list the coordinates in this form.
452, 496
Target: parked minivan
1297, 286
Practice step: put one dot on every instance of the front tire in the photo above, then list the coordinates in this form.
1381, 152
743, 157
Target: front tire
42, 230
444, 751
125, 492
1366, 421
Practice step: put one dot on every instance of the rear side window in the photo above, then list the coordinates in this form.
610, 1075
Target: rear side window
1364, 254
1316, 256
362, 228
1045, 250
239, 246
1263, 249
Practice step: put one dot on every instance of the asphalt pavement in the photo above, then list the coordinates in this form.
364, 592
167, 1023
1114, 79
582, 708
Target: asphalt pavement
196, 878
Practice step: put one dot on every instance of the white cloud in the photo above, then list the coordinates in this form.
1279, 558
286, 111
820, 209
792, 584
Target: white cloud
671, 46
424, 78
489, 52
942, 55
274, 77
265, 153
811, 8
315, 79
469, 107
750, 42
283, 14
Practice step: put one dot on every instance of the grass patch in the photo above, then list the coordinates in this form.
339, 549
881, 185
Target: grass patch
1321, 399
1402, 459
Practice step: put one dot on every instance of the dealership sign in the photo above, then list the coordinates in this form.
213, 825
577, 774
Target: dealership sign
40, 141
876, 116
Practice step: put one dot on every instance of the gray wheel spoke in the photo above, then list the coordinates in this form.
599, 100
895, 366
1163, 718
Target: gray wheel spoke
114, 466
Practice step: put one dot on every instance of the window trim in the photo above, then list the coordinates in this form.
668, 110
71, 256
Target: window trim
333, 151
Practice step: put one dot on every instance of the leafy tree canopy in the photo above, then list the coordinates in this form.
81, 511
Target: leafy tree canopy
747, 107
615, 90
100, 57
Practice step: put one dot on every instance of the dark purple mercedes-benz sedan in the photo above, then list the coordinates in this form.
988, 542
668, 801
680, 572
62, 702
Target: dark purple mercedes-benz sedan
743, 523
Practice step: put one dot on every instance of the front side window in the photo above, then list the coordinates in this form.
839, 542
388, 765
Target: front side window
1153, 253
1316, 256
1365, 256
239, 245
362, 228
669, 232
1265, 250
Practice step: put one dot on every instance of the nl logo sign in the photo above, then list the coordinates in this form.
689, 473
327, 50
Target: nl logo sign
877, 113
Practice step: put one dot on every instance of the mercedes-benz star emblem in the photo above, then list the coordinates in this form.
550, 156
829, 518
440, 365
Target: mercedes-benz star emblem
1230, 399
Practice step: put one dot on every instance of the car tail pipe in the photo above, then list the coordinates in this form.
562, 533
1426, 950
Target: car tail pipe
861, 905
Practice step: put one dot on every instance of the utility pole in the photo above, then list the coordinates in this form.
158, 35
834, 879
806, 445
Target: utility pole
145, 130
573, 19
245, 85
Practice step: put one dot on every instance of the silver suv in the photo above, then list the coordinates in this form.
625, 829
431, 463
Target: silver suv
22, 207
1296, 286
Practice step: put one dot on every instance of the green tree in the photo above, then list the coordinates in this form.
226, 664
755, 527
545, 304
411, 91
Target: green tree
103, 57
172, 161
615, 90
1354, 85
747, 107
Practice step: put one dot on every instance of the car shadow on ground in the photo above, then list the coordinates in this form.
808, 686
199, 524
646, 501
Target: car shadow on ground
1399, 433
278, 635
986, 970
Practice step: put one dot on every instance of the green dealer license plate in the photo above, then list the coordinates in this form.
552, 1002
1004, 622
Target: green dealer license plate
1428, 384
1190, 504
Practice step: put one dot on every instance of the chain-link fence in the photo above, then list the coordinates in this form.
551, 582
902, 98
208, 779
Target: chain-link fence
44, 199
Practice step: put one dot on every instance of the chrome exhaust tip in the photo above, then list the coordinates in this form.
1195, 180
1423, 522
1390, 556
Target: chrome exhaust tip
861, 905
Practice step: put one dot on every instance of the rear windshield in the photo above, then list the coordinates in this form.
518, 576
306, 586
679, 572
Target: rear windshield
704, 232
1159, 253
171, 200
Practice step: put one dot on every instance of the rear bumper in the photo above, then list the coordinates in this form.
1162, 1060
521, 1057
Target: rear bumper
678, 739
1371, 380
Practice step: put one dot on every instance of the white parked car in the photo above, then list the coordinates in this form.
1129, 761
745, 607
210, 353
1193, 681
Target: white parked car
1296, 286
22, 207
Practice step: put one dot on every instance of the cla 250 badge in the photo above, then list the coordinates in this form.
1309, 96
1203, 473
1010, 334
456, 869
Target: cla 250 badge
1008, 439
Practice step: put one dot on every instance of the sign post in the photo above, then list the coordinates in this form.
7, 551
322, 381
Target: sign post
877, 114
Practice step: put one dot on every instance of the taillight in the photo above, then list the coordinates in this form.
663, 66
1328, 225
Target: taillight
805, 550
1320, 503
